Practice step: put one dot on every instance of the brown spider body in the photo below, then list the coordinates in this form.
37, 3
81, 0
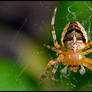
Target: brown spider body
74, 40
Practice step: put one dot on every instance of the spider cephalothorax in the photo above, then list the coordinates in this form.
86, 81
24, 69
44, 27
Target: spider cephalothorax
74, 40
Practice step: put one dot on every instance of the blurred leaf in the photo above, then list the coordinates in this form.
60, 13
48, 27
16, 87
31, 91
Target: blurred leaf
10, 79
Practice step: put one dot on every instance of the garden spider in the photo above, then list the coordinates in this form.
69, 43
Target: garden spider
74, 41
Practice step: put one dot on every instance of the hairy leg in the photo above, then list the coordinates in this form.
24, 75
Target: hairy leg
86, 52
54, 71
52, 48
88, 45
59, 59
52, 62
53, 29
89, 66
86, 62
61, 50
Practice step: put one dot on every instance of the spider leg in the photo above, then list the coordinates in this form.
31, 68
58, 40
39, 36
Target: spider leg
60, 58
86, 52
86, 62
52, 48
53, 29
61, 50
88, 45
52, 62
89, 66
54, 71
82, 70
64, 70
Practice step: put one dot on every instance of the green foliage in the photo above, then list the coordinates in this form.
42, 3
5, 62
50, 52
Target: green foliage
10, 79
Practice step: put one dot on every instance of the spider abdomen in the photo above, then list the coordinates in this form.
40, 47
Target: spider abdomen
74, 36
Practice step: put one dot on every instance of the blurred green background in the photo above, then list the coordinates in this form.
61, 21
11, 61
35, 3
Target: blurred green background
24, 28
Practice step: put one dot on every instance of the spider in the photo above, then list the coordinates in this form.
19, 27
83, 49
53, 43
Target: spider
74, 40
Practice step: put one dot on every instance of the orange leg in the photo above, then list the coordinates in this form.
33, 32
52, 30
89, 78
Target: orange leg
53, 49
86, 52
89, 66
87, 62
54, 71
88, 45
60, 58
61, 50
53, 29
52, 62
